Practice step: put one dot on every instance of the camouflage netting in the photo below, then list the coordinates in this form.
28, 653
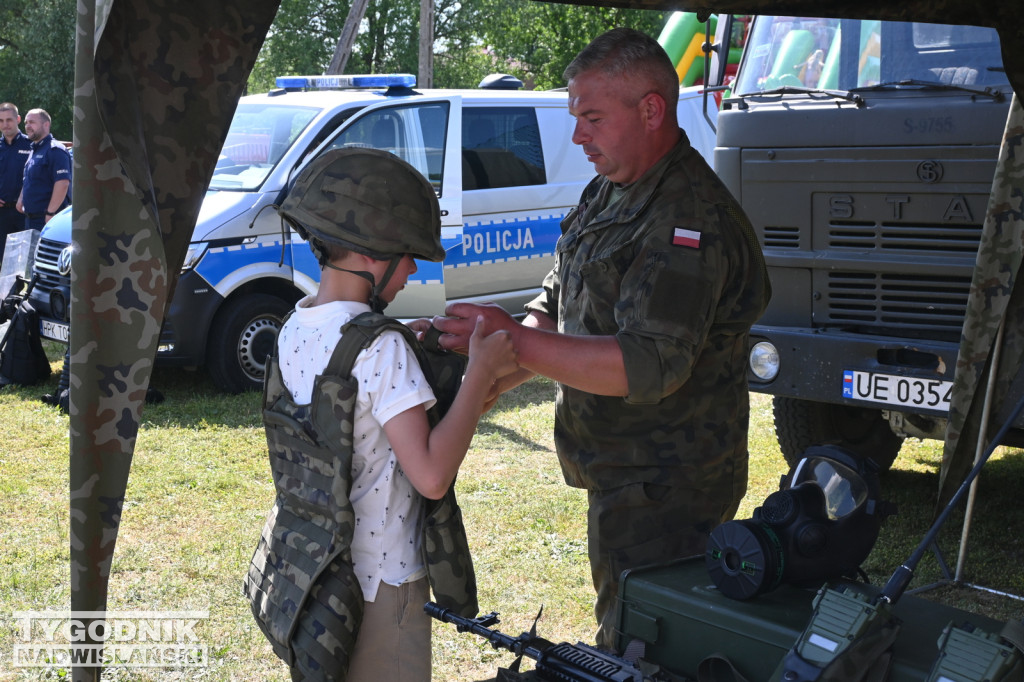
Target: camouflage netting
156, 86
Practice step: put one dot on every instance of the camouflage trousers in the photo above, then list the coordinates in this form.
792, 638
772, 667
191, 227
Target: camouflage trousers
643, 524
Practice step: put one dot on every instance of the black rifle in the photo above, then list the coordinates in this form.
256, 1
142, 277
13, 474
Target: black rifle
555, 662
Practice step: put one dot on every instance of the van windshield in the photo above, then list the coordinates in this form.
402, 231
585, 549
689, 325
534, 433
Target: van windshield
847, 54
259, 136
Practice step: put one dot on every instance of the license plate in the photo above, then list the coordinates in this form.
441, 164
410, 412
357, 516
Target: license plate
890, 389
57, 331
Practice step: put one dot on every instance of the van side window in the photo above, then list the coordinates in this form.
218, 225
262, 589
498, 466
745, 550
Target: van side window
415, 133
501, 148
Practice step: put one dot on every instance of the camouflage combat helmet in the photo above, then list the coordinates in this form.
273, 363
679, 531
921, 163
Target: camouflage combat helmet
366, 200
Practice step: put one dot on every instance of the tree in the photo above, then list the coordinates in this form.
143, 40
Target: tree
37, 59
389, 42
460, 59
537, 40
305, 33
300, 42
531, 40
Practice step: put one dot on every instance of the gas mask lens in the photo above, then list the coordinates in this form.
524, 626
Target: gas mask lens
845, 490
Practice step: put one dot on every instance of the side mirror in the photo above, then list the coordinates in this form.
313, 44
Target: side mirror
719, 51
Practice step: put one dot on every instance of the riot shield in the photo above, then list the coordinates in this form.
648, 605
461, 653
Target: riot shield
17, 260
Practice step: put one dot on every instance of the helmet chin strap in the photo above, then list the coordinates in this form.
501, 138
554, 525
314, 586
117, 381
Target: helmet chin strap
377, 304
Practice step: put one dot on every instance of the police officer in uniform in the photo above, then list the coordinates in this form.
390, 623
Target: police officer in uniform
47, 183
15, 148
643, 323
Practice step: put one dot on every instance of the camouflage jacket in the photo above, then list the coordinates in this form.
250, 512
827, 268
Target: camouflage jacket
673, 270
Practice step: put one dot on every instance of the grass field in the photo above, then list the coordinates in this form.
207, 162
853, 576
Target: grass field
200, 487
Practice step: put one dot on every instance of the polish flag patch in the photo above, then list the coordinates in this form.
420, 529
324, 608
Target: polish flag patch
690, 238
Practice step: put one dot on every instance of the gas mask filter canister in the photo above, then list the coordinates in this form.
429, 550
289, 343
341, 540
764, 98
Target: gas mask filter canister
820, 525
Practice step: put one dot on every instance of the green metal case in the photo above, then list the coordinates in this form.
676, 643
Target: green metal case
683, 619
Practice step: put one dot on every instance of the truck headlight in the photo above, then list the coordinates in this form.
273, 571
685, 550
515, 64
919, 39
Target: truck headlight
764, 361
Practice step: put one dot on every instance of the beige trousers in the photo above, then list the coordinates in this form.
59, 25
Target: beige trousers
393, 644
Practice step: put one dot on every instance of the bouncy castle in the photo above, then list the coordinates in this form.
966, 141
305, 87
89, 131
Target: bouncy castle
682, 39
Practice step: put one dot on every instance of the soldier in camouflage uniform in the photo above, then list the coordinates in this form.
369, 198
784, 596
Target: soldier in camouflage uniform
367, 214
657, 280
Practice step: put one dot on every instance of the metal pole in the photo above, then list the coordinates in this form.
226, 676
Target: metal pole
978, 453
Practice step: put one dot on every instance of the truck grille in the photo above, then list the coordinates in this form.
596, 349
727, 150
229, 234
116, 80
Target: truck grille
897, 301
935, 238
916, 256
781, 237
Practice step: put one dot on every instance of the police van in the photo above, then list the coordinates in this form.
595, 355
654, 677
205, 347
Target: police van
501, 161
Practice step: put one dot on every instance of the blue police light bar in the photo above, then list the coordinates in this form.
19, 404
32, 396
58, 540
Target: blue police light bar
398, 80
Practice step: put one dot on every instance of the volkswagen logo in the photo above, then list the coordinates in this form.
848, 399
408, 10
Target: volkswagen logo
64, 260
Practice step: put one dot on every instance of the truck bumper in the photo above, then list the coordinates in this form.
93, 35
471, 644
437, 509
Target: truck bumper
814, 364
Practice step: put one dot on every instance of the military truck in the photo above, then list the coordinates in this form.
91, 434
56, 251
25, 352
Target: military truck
863, 152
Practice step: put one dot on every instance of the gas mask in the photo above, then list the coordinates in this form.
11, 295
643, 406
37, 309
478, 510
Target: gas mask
820, 525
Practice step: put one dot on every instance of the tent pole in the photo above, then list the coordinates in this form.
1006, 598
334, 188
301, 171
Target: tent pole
978, 453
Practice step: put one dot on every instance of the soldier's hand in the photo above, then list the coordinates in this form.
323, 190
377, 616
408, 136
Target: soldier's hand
460, 320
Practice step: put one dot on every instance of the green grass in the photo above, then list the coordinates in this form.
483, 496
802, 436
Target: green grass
200, 487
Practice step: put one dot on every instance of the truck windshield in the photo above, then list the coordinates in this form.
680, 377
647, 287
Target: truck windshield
259, 136
846, 54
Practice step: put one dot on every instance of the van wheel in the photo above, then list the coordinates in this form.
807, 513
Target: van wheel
242, 336
800, 424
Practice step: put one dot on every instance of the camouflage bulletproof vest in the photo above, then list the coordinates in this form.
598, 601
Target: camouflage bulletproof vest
300, 583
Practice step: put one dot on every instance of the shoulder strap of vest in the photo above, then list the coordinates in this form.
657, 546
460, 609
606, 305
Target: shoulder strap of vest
357, 334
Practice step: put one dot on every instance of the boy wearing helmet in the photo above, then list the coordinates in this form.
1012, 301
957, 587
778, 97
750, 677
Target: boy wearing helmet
366, 215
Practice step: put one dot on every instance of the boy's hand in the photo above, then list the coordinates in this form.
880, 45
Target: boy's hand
420, 326
458, 324
496, 350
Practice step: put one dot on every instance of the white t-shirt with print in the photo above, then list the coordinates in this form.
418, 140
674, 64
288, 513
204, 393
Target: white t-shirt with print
386, 543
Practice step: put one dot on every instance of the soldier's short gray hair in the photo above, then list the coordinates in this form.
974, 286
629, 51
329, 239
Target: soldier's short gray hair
625, 53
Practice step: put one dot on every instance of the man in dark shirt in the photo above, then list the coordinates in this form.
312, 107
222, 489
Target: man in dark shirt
47, 183
15, 148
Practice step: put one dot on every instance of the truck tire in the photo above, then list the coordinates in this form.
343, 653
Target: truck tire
242, 335
800, 424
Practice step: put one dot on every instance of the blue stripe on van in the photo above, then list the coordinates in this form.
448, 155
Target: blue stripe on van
481, 243
502, 241
221, 261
